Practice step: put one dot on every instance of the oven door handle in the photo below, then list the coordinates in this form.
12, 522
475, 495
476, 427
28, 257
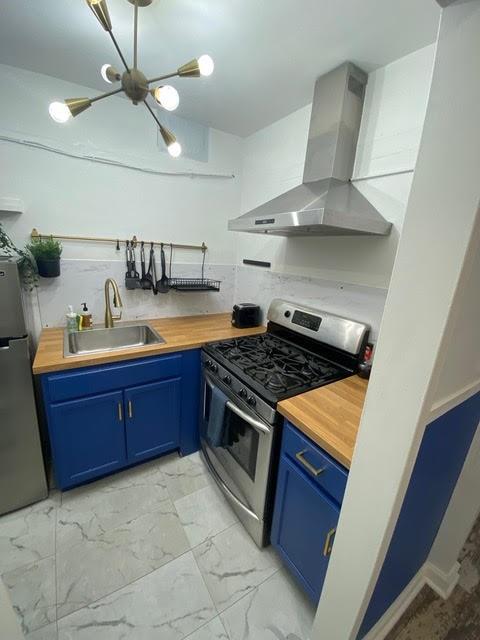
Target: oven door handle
256, 424
228, 492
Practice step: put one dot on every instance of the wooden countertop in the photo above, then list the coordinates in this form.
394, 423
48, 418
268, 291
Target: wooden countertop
187, 332
330, 415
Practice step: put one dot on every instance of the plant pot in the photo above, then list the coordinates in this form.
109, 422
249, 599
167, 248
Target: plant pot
48, 268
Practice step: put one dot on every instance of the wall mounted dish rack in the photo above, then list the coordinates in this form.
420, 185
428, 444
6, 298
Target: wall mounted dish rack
178, 284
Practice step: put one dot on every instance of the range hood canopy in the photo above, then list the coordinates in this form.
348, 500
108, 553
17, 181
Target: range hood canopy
326, 203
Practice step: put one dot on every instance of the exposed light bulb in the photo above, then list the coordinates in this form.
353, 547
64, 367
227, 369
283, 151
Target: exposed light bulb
167, 97
206, 65
174, 149
103, 72
59, 112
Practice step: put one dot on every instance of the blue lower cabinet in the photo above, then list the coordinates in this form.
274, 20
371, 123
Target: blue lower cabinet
304, 525
105, 418
310, 487
87, 437
152, 418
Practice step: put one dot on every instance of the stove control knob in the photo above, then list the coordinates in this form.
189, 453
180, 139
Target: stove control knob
242, 393
208, 364
251, 401
213, 367
227, 379
287, 314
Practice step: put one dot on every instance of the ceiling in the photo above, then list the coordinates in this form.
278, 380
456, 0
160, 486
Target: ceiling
267, 52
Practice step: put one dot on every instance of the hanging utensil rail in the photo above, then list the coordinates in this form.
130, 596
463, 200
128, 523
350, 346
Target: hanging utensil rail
199, 247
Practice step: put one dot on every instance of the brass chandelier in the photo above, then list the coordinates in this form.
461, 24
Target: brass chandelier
134, 83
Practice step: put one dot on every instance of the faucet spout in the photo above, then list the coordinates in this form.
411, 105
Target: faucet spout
117, 302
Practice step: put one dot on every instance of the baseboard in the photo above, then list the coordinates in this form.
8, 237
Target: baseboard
442, 583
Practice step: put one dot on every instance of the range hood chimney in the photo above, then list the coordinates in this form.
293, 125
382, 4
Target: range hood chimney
326, 203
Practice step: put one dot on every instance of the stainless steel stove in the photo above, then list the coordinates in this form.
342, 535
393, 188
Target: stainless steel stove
244, 379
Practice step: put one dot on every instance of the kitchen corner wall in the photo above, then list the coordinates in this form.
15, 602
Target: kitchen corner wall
68, 195
345, 275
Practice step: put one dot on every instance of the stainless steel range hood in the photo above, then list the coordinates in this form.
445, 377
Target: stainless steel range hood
326, 203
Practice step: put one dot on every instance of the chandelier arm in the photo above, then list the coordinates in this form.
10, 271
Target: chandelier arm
153, 114
106, 95
119, 51
168, 75
135, 35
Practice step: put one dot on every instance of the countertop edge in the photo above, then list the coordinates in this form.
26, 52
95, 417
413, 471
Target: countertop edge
205, 327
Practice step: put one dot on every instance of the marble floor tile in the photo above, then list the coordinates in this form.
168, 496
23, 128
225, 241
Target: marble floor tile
27, 535
95, 567
277, 609
232, 565
168, 604
91, 510
213, 630
185, 475
32, 591
204, 513
45, 633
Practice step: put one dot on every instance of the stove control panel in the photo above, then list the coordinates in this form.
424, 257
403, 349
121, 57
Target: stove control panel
306, 320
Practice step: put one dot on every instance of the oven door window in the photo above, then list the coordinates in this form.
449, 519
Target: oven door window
242, 442
238, 438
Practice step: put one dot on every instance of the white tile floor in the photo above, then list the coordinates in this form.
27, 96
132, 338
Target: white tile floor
152, 553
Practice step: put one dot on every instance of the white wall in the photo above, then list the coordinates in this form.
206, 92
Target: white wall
431, 265
391, 128
349, 275
71, 196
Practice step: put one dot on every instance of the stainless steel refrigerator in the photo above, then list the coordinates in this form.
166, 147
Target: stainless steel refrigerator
22, 470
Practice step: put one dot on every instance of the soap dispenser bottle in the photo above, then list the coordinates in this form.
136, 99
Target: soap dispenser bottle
72, 320
86, 320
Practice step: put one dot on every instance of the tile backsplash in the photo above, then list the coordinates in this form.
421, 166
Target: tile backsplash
84, 280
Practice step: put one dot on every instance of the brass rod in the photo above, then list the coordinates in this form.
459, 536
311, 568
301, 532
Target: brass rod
135, 35
199, 247
168, 75
106, 95
118, 50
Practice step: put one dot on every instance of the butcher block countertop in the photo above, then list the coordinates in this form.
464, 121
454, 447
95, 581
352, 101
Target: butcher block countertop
187, 332
330, 415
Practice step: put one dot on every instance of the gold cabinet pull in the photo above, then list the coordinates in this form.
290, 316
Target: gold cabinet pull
327, 549
300, 457
130, 409
120, 412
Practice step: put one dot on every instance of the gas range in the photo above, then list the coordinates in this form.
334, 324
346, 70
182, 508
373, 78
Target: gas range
244, 379
289, 359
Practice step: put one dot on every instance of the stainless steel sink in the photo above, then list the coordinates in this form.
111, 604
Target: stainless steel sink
98, 340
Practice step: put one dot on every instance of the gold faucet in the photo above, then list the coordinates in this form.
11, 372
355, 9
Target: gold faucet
117, 302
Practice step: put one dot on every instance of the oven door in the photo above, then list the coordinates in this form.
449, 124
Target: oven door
241, 463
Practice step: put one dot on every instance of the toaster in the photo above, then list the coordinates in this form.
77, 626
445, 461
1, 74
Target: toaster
246, 314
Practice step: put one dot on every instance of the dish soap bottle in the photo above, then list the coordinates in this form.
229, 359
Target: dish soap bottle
86, 320
72, 320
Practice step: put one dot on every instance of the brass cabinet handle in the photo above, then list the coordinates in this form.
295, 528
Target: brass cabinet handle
130, 409
300, 457
120, 412
328, 547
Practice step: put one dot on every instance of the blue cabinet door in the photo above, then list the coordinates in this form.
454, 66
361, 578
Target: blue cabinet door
152, 418
87, 437
304, 523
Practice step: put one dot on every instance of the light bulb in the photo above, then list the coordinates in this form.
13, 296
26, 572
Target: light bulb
174, 149
103, 72
59, 112
167, 97
206, 65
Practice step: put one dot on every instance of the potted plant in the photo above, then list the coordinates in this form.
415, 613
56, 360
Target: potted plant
26, 262
46, 252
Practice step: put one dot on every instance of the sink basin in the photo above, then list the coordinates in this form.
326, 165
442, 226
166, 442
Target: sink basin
98, 340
